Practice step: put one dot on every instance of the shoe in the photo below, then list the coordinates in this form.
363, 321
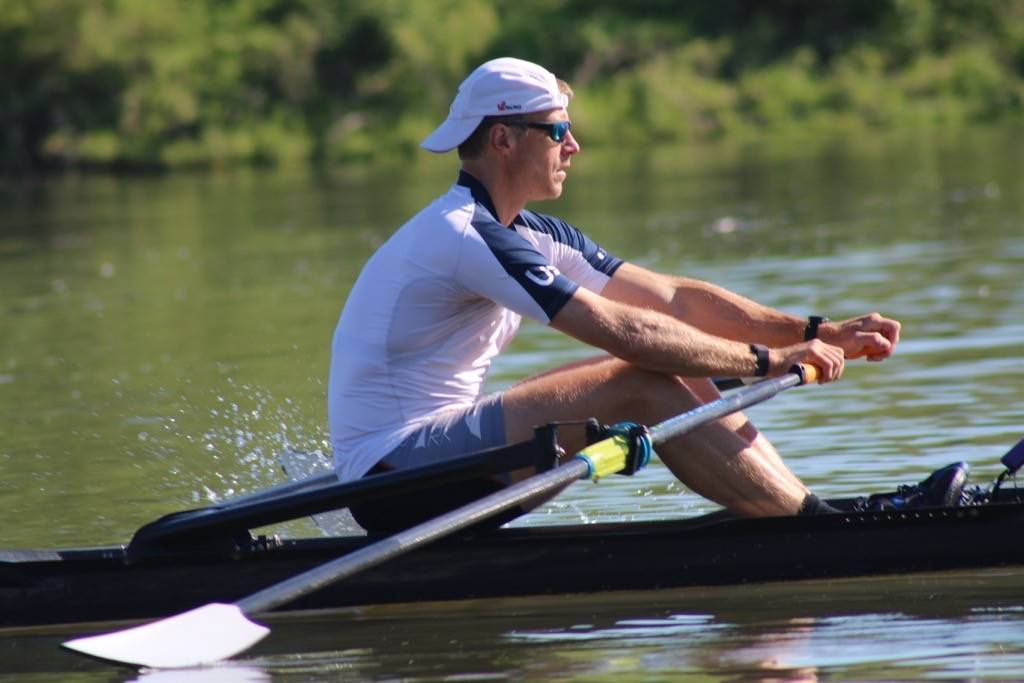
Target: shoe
943, 488
975, 495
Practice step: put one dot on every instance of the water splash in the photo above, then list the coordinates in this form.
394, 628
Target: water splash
246, 428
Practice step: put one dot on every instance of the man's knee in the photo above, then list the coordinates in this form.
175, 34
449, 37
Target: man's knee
610, 391
650, 395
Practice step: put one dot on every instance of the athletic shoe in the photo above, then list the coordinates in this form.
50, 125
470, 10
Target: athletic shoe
943, 488
975, 495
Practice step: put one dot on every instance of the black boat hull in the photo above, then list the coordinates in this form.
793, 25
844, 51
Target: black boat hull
57, 587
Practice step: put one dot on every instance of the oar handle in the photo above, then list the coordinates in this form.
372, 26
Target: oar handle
810, 373
728, 383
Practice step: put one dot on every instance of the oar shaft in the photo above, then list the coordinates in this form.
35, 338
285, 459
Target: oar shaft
421, 534
531, 488
748, 396
217, 631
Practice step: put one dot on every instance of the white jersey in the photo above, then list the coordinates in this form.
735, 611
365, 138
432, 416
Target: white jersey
434, 306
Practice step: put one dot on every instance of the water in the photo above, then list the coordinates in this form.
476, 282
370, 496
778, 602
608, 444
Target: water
164, 337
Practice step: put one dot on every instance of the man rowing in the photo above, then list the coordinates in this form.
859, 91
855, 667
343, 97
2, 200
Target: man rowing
445, 294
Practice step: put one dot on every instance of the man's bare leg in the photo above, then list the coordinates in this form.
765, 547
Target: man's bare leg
727, 461
707, 392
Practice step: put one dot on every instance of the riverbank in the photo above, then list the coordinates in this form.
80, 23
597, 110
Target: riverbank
131, 86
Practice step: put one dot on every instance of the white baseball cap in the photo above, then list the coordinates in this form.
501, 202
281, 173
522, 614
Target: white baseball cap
500, 87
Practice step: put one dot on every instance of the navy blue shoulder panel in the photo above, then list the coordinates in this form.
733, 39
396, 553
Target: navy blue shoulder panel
573, 237
480, 194
528, 267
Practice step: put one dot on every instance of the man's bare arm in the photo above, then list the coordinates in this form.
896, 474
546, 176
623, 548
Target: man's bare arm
708, 307
655, 341
723, 313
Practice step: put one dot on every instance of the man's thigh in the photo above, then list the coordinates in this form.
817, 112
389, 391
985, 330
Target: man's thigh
461, 433
606, 388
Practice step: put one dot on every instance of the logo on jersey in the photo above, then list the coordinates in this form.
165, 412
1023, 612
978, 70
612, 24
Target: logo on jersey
542, 275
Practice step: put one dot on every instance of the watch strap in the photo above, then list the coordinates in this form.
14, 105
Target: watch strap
760, 352
813, 323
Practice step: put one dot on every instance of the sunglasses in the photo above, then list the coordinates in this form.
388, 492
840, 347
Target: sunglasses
556, 131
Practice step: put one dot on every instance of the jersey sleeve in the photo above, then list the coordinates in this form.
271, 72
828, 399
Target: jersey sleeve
499, 264
576, 256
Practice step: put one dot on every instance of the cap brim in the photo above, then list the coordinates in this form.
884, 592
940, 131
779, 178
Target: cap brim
450, 134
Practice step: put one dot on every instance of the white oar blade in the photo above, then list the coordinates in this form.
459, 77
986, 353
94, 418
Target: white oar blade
200, 636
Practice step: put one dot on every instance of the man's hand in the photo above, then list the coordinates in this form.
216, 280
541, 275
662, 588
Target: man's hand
827, 358
868, 336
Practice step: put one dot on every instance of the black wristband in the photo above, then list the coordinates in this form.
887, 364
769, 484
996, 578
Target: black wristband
760, 352
813, 322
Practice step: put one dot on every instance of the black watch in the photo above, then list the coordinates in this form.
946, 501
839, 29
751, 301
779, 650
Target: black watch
761, 354
813, 322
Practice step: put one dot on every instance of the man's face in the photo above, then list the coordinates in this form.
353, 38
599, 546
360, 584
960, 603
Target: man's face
539, 162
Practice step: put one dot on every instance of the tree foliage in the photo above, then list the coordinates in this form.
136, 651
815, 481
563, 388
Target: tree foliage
146, 83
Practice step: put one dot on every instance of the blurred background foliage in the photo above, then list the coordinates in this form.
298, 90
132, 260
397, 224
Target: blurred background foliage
131, 84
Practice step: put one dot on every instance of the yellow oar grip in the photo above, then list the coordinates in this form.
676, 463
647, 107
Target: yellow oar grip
605, 457
811, 373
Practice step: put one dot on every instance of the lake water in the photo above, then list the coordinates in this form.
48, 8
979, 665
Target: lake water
164, 337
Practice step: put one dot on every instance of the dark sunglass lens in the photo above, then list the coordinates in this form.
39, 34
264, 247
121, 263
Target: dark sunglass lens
558, 130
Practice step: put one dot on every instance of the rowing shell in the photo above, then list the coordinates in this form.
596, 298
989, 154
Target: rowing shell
88, 585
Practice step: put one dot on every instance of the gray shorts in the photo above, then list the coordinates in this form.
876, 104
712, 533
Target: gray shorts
460, 433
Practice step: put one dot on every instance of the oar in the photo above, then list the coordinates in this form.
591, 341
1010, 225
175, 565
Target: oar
217, 631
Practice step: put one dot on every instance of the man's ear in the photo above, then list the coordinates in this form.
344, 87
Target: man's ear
502, 138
